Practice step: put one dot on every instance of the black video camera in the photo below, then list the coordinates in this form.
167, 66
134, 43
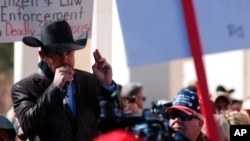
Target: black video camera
148, 125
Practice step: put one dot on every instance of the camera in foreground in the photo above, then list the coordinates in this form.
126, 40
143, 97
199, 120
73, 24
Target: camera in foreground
151, 126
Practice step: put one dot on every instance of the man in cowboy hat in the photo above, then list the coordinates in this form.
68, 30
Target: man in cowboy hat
59, 102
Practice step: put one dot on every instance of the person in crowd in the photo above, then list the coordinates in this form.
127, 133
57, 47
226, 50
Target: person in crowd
221, 88
12, 117
59, 102
223, 127
185, 115
133, 97
222, 124
236, 104
192, 86
7, 130
245, 109
222, 102
236, 118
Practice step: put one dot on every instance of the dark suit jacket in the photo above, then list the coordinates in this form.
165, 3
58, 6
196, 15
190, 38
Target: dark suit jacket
39, 106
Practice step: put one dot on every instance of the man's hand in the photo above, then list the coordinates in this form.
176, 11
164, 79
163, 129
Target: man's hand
63, 75
101, 69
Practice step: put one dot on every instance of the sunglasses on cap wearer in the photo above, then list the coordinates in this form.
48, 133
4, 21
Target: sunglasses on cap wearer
183, 116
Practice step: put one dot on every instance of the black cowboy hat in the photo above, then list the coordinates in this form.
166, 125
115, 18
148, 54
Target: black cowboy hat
57, 36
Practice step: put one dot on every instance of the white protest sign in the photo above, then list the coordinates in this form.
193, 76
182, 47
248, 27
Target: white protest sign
20, 18
154, 31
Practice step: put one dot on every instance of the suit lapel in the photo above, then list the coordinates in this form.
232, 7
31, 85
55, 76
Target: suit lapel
69, 114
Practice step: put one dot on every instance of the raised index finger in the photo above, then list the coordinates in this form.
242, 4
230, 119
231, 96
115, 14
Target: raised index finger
97, 55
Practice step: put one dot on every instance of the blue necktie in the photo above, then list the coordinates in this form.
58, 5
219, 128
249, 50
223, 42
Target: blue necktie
71, 96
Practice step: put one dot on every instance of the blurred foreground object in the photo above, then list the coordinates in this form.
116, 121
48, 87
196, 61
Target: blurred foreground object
7, 131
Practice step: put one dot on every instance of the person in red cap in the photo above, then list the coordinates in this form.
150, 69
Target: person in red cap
185, 115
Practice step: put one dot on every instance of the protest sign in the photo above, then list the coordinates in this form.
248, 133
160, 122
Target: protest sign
26, 17
158, 28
